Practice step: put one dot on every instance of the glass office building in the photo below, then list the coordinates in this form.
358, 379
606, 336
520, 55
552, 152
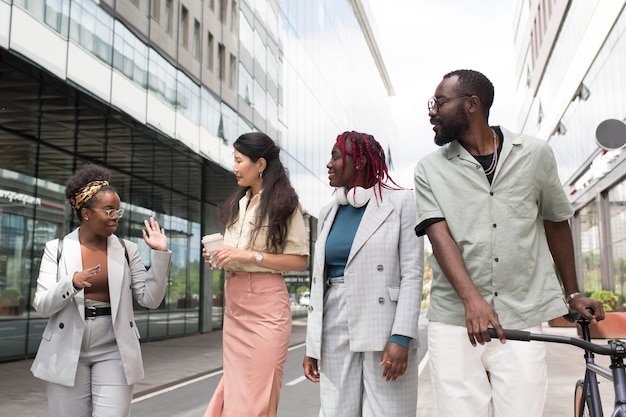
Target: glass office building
572, 77
157, 91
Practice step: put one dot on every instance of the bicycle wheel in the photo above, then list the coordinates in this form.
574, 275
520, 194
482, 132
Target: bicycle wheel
581, 399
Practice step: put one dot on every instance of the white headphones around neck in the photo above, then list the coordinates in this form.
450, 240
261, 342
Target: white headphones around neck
356, 197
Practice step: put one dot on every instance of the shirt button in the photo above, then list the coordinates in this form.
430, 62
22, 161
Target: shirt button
494, 225
131, 324
313, 280
495, 293
497, 259
381, 300
491, 193
61, 325
310, 308
379, 268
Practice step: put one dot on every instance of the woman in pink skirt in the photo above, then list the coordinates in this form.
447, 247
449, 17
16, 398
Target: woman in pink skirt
265, 237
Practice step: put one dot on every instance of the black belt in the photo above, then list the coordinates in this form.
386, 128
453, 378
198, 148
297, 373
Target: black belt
92, 312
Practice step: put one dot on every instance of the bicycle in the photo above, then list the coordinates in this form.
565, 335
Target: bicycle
587, 401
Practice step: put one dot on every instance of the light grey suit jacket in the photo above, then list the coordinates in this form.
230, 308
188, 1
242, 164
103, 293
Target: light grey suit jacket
58, 353
383, 275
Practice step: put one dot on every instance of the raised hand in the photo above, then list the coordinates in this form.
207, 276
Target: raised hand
154, 236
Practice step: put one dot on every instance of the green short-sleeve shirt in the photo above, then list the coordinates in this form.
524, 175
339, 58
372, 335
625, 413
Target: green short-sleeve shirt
498, 228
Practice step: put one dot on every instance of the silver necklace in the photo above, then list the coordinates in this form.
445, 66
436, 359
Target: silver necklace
494, 159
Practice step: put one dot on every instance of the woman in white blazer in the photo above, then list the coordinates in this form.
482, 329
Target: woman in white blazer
366, 289
89, 353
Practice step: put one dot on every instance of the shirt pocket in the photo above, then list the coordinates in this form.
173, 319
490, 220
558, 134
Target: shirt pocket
522, 201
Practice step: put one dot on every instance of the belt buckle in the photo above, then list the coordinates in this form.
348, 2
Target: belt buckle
90, 312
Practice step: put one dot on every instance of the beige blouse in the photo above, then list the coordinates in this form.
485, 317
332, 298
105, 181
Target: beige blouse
238, 235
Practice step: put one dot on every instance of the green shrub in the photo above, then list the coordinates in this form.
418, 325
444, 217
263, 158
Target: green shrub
608, 299
10, 294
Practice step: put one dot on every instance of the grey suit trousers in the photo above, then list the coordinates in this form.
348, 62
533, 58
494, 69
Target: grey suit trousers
351, 383
100, 389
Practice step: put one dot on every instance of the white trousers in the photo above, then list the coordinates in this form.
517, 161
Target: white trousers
493, 379
351, 383
100, 389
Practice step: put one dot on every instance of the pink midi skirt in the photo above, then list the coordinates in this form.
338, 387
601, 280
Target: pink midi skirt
255, 337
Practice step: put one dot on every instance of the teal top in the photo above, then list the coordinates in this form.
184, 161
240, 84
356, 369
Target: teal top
340, 238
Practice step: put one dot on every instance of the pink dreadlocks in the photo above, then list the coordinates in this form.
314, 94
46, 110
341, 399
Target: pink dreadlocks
364, 146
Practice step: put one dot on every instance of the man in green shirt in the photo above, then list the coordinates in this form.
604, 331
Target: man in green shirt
496, 215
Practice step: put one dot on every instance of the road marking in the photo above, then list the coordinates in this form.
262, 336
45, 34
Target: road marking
175, 387
198, 379
296, 381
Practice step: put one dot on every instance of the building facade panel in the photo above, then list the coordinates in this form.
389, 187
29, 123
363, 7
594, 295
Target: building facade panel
157, 91
580, 85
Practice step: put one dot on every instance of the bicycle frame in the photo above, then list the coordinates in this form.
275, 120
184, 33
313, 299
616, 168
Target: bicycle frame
614, 349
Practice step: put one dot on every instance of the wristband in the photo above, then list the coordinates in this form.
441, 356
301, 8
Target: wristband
572, 296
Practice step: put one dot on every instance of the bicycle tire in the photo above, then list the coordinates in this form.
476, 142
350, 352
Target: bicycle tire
578, 401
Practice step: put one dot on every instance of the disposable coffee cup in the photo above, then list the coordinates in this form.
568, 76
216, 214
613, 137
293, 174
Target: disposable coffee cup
212, 242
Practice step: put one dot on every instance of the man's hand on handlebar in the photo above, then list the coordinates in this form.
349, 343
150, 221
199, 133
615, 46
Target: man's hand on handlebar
479, 316
582, 303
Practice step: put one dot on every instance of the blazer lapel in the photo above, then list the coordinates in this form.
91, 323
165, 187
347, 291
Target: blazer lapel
375, 214
72, 259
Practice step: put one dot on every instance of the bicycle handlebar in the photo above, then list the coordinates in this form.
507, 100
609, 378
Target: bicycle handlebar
613, 348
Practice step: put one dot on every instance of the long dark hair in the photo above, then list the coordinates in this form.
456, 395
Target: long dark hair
278, 198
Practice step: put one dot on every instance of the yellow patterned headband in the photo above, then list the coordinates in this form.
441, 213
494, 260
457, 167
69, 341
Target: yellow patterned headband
85, 193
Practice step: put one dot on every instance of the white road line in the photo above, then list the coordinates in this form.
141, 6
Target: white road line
175, 387
297, 346
296, 381
200, 378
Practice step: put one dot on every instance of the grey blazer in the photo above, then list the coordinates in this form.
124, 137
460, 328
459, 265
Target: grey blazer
383, 275
58, 353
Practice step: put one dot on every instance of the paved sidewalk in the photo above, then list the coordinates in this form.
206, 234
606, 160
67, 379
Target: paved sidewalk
171, 361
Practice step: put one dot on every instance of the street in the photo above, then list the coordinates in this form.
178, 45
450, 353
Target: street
298, 397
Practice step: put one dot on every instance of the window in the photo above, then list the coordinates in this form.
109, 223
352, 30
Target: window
210, 63
221, 56
92, 28
232, 79
130, 55
234, 22
184, 27
169, 16
155, 9
197, 43
55, 13
223, 10
617, 236
590, 248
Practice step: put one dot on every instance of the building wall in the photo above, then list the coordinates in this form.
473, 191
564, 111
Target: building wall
579, 85
116, 83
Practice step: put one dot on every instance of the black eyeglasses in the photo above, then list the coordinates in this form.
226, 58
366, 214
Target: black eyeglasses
112, 213
435, 103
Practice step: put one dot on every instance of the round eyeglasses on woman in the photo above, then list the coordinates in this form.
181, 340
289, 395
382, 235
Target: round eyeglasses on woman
112, 213
435, 103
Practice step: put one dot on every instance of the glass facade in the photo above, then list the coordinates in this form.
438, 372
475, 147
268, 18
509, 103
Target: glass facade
100, 92
594, 178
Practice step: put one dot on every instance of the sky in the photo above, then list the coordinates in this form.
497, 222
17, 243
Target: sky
421, 40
